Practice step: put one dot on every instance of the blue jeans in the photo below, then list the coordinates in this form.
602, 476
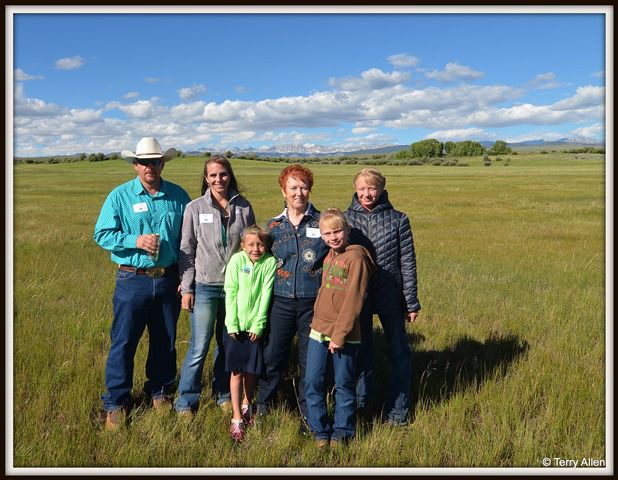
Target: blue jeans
142, 302
288, 316
397, 405
208, 316
344, 366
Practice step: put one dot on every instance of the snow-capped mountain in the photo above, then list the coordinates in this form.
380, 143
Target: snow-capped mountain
316, 150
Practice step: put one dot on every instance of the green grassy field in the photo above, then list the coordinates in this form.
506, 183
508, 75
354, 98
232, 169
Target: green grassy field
508, 353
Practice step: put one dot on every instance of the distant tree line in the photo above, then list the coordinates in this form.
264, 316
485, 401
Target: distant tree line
78, 157
432, 148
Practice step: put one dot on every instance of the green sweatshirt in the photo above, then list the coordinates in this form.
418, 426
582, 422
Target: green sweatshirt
248, 291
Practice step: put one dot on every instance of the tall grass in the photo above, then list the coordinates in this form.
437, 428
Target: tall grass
508, 352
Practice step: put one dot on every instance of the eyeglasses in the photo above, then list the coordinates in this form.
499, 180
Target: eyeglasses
155, 162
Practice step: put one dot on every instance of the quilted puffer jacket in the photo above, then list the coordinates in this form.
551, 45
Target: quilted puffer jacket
387, 234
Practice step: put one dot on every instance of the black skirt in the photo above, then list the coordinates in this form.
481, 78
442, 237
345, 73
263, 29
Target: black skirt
243, 355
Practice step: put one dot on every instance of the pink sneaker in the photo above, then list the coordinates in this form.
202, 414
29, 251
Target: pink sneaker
236, 431
247, 414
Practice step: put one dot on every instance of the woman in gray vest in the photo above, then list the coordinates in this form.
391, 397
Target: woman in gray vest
210, 235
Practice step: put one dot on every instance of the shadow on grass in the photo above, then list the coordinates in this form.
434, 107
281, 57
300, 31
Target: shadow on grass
439, 374
436, 374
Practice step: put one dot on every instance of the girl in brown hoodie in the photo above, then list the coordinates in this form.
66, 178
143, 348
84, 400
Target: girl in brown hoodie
335, 331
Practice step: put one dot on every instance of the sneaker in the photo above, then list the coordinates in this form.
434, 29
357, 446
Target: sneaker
236, 430
115, 419
247, 414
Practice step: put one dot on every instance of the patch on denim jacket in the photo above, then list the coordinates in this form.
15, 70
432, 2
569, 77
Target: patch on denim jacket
309, 255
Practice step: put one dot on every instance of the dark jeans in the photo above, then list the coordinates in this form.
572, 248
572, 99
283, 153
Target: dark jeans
142, 302
398, 401
344, 365
288, 317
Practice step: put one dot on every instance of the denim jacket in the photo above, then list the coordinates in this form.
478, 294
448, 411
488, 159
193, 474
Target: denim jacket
299, 255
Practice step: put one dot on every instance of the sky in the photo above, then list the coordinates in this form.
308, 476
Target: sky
99, 82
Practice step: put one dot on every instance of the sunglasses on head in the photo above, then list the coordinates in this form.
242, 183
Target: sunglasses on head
155, 162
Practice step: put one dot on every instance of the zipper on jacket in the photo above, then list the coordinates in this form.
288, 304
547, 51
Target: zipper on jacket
297, 253
227, 230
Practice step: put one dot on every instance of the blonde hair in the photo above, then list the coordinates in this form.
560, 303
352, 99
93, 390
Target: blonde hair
334, 218
258, 232
372, 176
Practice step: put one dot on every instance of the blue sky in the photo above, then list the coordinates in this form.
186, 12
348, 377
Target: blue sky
99, 82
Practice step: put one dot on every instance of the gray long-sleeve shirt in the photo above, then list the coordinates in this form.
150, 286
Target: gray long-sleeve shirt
203, 253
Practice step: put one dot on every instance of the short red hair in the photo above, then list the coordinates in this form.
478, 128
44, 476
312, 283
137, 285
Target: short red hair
298, 172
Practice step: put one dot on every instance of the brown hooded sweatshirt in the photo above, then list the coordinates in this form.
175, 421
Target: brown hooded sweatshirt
345, 277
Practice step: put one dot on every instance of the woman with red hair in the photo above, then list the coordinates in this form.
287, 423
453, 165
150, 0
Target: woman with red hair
299, 251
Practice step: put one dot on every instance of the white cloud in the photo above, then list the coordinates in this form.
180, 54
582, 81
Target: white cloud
152, 80
403, 60
592, 133
21, 76
367, 140
545, 81
599, 74
453, 72
366, 127
534, 135
141, 109
32, 107
587, 96
240, 89
188, 93
362, 130
477, 109
69, 63
85, 116
188, 112
130, 95
462, 134
293, 137
236, 137
372, 79
360, 108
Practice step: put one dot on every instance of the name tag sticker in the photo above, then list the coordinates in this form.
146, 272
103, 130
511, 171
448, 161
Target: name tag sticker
206, 218
313, 232
140, 207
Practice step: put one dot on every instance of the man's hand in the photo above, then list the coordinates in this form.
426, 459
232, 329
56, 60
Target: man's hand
411, 317
253, 337
148, 242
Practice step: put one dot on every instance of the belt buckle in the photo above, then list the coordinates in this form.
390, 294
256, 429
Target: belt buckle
155, 272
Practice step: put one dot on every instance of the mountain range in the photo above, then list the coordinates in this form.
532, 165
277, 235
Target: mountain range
314, 150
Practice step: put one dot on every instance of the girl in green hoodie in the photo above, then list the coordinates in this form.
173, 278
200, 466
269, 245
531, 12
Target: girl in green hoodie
249, 278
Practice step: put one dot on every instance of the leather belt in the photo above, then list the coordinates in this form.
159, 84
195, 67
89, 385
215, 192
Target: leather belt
153, 272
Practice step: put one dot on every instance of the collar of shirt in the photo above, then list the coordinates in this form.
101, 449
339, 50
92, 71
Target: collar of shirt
138, 188
310, 212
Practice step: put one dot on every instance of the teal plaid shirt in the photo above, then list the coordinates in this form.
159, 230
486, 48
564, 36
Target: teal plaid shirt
130, 211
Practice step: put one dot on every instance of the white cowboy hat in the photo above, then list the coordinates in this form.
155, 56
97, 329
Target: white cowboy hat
148, 147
